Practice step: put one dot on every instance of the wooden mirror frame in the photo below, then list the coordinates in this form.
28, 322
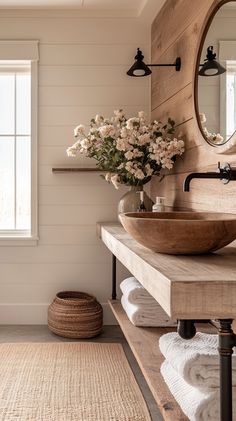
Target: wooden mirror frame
229, 146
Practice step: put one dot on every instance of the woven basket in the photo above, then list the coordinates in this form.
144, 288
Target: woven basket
75, 315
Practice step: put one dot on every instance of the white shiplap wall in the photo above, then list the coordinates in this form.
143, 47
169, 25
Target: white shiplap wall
81, 73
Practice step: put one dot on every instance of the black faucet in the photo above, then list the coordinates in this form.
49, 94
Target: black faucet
225, 173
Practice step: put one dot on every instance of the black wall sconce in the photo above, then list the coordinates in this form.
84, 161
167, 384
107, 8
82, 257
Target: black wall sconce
211, 67
140, 69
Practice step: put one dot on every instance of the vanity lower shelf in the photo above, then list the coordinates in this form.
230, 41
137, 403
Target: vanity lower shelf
144, 345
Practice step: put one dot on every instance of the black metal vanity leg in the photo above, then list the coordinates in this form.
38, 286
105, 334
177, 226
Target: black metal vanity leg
113, 295
186, 329
227, 340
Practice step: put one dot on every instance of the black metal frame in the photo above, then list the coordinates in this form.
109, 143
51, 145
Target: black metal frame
227, 341
113, 292
177, 64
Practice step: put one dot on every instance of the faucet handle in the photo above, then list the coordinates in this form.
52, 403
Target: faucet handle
226, 170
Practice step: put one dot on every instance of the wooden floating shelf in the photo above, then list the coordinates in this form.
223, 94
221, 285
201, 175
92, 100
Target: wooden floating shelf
72, 170
144, 344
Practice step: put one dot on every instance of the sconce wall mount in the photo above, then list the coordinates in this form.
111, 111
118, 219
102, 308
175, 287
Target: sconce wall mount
140, 69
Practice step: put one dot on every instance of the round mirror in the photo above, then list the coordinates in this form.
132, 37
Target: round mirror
215, 81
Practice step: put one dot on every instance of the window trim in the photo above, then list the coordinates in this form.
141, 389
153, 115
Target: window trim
26, 50
34, 150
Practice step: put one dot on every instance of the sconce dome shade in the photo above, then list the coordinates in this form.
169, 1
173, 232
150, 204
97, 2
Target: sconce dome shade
139, 68
211, 67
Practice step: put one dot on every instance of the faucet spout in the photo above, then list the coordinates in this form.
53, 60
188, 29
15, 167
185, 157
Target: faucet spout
225, 174
207, 175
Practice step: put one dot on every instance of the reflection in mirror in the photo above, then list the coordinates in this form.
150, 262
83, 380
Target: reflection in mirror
216, 95
211, 67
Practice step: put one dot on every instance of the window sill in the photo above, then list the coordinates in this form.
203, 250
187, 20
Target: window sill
18, 241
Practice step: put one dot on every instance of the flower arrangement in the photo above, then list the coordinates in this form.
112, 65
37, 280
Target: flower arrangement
212, 137
130, 150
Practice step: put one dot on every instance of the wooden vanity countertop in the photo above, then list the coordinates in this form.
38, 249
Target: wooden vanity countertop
187, 287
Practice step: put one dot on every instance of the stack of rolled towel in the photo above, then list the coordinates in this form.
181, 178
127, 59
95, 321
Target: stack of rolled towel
141, 308
191, 371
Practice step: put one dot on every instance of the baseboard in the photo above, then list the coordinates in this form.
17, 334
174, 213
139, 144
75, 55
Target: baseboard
36, 314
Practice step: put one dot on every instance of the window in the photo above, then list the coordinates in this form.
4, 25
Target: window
227, 55
18, 141
230, 98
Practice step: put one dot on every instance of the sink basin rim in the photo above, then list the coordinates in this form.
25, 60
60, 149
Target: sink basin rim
180, 216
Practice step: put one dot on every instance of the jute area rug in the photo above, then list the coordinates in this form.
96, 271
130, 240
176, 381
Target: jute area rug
68, 382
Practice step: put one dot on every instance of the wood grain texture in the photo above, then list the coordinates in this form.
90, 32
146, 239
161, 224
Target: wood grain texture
177, 30
182, 285
144, 344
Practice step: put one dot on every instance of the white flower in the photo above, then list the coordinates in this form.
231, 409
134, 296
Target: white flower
129, 154
115, 180
122, 165
139, 174
107, 130
79, 130
123, 132
202, 118
132, 122
145, 129
121, 145
71, 151
149, 170
143, 139
213, 137
93, 130
219, 138
131, 140
85, 144
137, 153
180, 146
129, 166
108, 177
167, 163
98, 119
119, 114
141, 114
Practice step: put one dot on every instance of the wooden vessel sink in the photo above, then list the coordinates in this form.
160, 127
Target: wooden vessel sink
181, 232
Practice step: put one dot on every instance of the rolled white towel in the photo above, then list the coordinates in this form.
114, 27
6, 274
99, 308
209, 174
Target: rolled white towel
135, 292
143, 315
198, 405
196, 360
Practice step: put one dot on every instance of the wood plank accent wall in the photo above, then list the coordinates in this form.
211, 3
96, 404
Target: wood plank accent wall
177, 31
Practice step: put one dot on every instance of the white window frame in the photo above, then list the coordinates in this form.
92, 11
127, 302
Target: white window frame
29, 51
227, 54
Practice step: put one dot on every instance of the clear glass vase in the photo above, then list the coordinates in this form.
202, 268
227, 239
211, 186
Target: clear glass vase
131, 200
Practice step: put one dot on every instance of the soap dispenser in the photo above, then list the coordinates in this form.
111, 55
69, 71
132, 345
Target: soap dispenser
159, 206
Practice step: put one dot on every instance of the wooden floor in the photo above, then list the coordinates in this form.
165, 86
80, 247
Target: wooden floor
33, 333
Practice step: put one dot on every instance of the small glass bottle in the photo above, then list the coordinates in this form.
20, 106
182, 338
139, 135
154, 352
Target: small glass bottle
141, 207
159, 206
